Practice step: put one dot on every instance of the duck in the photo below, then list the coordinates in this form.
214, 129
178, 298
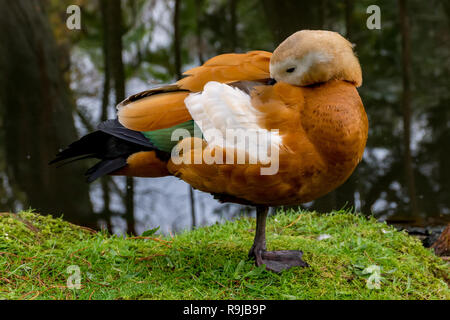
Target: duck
300, 102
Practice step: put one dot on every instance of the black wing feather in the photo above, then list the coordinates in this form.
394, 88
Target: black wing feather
164, 88
112, 143
116, 129
105, 167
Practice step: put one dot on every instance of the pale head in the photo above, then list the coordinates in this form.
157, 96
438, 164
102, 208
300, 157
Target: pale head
315, 56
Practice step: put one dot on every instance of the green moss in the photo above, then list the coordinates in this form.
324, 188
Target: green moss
210, 263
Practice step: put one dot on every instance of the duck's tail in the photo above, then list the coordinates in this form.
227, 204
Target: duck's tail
112, 143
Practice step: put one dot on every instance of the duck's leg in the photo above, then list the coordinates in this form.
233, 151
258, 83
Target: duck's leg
276, 261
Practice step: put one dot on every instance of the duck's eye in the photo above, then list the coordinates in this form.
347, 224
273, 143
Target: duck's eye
290, 70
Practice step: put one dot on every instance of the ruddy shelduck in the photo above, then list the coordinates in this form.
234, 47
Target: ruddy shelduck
302, 102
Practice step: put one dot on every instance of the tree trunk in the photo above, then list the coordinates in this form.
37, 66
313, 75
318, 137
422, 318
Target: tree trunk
177, 53
233, 25
177, 38
114, 33
37, 109
198, 30
105, 181
349, 6
406, 105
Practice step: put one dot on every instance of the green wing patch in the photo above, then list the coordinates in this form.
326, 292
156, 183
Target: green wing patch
162, 138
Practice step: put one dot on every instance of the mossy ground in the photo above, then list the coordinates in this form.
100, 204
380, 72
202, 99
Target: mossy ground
211, 263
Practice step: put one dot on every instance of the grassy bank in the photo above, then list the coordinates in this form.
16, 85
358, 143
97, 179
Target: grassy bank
345, 252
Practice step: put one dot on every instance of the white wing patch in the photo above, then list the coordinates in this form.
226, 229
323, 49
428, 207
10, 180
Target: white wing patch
228, 111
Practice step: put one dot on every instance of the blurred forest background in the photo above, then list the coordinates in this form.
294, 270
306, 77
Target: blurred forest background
56, 84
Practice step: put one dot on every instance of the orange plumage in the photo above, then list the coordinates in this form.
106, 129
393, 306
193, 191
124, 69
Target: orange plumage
324, 130
227, 68
306, 90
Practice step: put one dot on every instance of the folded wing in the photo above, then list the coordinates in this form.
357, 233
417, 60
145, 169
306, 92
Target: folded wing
164, 107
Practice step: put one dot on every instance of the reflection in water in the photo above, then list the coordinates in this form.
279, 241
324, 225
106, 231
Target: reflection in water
164, 202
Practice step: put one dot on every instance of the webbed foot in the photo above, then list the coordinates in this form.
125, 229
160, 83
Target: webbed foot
277, 261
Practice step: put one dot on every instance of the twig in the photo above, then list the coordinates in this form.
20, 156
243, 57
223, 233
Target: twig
150, 257
26, 294
149, 238
5, 279
84, 228
76, 251
100, 284
35, 296
90, 265
14, 255
292, 223
220, 283
41, 292
368, 256
163, 242
24, 221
